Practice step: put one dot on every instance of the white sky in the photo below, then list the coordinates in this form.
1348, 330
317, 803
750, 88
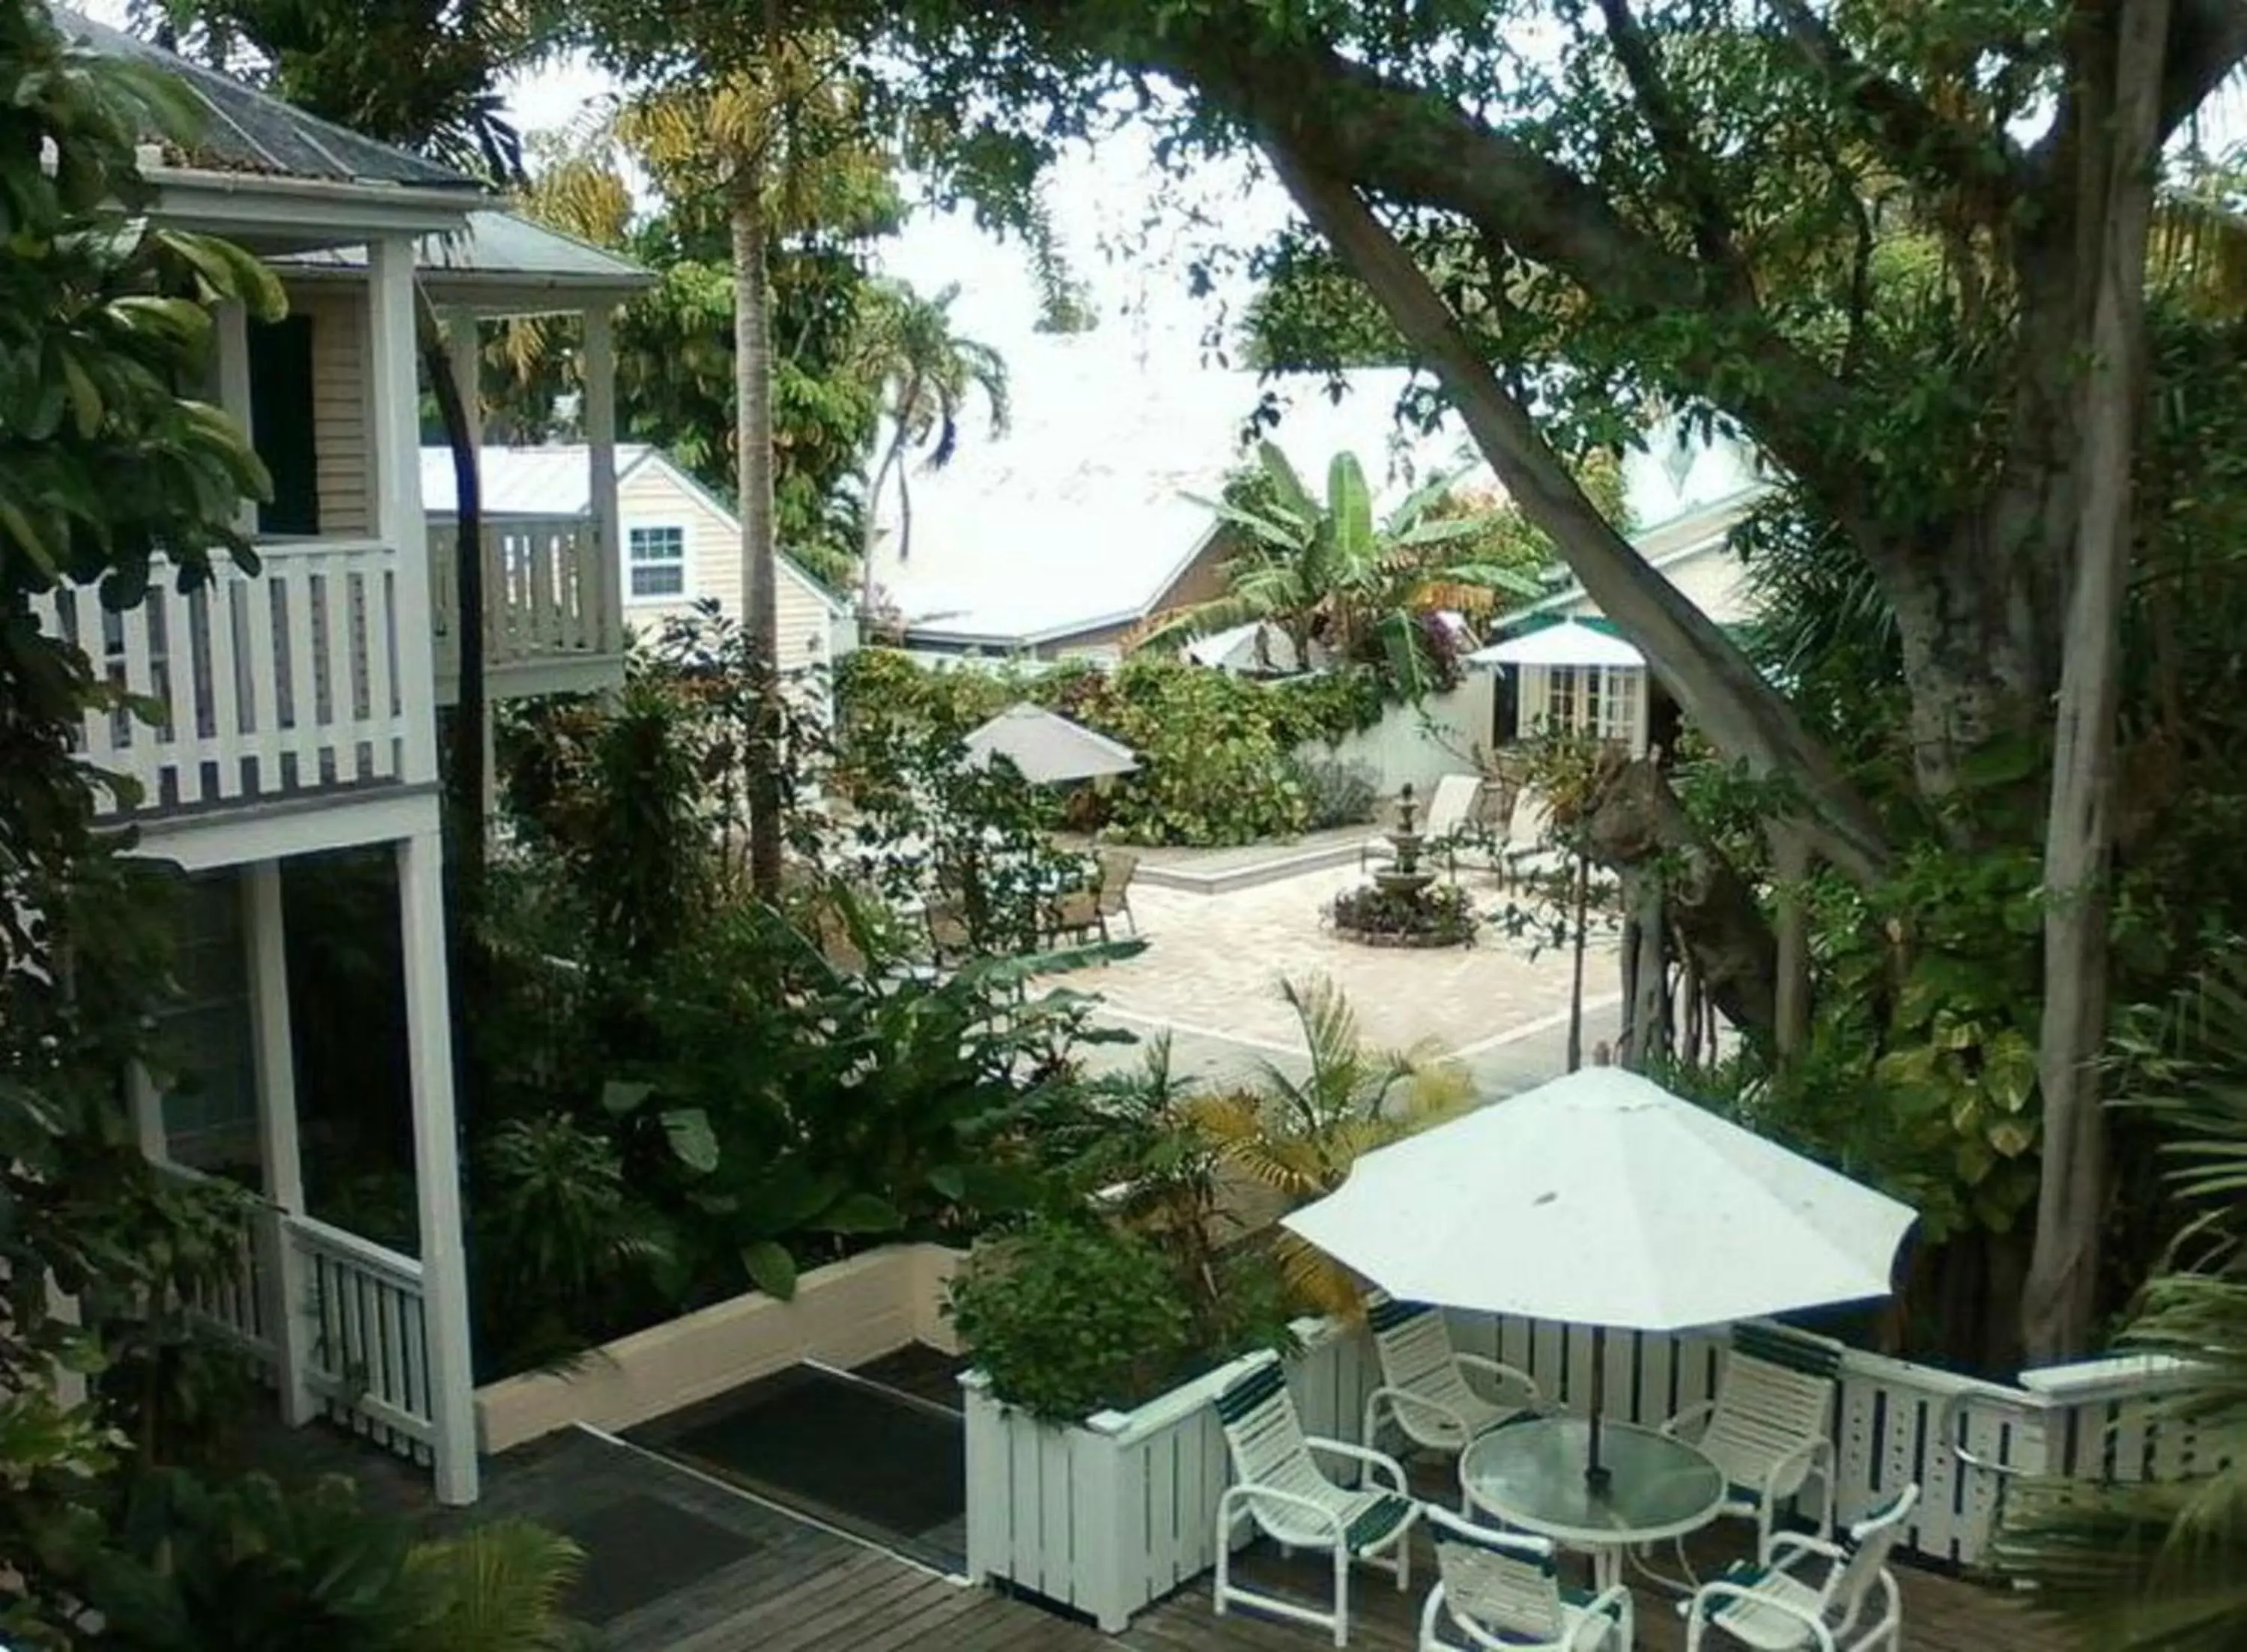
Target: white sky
1125, 229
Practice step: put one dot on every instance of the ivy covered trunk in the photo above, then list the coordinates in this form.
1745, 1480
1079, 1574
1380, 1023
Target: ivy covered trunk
754, 434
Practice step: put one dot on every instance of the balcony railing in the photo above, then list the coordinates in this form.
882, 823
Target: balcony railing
545, 599
284, 683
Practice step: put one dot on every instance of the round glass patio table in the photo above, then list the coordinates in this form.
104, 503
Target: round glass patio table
1530, 1475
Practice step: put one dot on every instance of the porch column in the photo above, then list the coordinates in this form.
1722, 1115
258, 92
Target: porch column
288, 1311
394, 429
600, 370
233, 386
437, 1166
464, 343
147, 1103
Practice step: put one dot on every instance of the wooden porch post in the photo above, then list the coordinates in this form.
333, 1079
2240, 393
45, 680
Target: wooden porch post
437, 1166
288, 1310
147, 1103
394, 429
600, 366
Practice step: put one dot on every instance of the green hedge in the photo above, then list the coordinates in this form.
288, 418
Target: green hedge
1216, 751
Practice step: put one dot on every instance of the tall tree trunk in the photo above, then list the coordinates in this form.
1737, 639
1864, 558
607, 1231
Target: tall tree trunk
893, 453
473, 707
752, 424
2062, 1291
1790, 872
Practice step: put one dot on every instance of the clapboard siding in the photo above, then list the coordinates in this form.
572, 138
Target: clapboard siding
654, 494
339, 405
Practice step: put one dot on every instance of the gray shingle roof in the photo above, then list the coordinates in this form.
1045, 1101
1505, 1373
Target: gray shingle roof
248, 131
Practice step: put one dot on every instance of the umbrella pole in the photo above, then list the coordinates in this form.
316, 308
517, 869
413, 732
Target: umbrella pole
1596, 1474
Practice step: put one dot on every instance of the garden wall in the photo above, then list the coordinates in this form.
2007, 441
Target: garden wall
844, 1315
1417, 744
1112, 1516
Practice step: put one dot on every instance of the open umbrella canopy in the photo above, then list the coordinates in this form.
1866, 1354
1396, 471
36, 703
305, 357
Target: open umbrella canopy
1601, 1199
1566, 643
1048, 748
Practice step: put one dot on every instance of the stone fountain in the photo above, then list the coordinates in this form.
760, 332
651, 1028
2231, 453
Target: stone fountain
1402, 906
1403, 876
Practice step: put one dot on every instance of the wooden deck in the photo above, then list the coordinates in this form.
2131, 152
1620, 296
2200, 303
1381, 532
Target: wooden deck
678, 1562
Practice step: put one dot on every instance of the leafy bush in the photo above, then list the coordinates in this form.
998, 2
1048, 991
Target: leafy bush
1338, 793
1441, 915
1216, 751
1073, 1318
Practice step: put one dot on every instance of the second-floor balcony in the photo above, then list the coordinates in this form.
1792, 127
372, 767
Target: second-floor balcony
553, 619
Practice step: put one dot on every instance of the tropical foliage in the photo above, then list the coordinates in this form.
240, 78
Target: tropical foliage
2143, 1566
1299, 1136
1222, 759
1330, 575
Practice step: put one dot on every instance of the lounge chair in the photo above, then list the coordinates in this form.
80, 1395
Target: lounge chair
1789, 1604
1118, 868
1502, 1590
1767, 1428
1446, 812
1424, 1385
1280, 1488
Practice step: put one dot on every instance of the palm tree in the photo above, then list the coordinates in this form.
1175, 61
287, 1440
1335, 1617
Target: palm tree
1298, 1136
928, 373
2163, 1565
1326, 570
771, 145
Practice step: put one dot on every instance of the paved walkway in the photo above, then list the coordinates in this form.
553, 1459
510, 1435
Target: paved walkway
1213, 963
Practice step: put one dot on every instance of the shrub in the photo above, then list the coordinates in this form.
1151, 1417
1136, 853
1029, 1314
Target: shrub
1338, 793
1442, 916
1074, 1318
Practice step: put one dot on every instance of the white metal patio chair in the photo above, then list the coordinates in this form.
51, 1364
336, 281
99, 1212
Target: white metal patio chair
1767, 1431
1791, 1604
1423, 1383
1280, 1488
1501, 1590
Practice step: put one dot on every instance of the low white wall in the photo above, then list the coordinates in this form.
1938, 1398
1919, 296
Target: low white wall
1419, 744
844, 1315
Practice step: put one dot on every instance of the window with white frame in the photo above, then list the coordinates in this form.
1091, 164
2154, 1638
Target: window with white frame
655, 563
1598, 701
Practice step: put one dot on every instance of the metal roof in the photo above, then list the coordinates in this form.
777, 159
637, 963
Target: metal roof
246, 130
499, 250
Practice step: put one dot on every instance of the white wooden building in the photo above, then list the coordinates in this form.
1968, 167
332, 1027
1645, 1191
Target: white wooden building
299, 707
1563, 667
677, 544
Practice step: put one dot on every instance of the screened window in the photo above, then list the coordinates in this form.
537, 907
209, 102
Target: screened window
657, 558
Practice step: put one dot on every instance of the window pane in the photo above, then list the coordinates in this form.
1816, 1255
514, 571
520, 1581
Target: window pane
656, 580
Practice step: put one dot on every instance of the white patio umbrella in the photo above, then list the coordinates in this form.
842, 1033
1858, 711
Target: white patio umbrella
1569, 643
1047, 747
1601, 1199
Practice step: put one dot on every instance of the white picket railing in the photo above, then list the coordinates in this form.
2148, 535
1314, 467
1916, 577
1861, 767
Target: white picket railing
351, 1308
1112, 1516
267, 685
546, 597
368, 1354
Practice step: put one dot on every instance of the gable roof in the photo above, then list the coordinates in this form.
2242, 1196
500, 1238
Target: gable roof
557, 480
1702, 530
1079, 518
246, 130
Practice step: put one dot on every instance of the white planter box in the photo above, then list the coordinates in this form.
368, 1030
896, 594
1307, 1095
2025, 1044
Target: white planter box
1110, 1515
